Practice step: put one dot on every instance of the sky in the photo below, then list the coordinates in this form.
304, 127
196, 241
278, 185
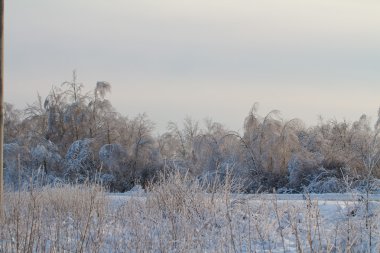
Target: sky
201, 58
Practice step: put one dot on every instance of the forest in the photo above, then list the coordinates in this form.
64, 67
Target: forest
76, 136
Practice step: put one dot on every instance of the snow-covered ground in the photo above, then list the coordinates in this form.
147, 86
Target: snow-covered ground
177, 217
292, 222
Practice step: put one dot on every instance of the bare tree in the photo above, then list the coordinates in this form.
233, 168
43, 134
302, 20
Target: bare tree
100, 110
12, 123
75, 88
287, 142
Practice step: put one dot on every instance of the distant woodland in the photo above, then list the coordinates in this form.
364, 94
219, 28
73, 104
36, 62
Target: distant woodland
75, 135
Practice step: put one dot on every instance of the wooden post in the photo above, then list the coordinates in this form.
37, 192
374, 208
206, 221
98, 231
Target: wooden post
1, 107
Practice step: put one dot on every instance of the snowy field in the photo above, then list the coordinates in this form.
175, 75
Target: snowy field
181, 216
328, 222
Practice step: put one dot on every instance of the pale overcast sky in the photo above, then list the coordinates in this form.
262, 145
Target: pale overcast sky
202, 58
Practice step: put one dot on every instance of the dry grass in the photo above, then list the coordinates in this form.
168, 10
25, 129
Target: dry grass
179, 214
60, 219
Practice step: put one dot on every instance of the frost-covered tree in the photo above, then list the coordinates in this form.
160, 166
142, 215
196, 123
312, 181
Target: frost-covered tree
184, 137
101, 89
46, 155
76, 117
12, 123
78, 135
288, 143
115, 171
366, 146
108, 123
100, 107
144, 151
80, 162
113, 156
265, 138
54, 106
260, 135
16, 164
75, 89
76, 114
207, 156
301, 166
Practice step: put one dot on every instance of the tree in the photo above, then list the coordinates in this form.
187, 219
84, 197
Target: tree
185, 137
102, 115
54, 105
288, 142
79, 161
37, 117
12, 122
76, 115
143, 143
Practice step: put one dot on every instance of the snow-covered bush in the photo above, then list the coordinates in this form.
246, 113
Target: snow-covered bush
80, 161
19, 173
16, 165
105, 179
15, 154
46, 155
371, 184
324, 181
112, 156
300, 166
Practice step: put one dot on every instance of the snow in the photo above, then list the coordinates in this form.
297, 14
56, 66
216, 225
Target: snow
335, 213
194, 221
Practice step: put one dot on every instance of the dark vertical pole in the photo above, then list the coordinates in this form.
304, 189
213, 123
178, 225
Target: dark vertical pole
1, 107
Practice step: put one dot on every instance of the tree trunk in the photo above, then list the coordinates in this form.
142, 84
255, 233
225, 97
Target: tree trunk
1, 107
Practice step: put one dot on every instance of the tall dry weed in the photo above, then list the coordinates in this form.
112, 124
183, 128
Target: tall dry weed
180, 213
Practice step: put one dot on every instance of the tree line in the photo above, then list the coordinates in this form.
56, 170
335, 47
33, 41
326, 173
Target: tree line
74, 136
